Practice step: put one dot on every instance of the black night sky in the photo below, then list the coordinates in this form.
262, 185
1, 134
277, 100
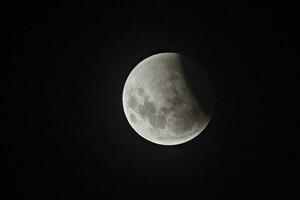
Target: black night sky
65, 133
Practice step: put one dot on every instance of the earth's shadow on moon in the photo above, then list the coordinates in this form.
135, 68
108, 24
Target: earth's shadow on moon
199, 84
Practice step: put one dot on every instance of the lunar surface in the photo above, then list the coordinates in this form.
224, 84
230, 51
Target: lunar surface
168, 99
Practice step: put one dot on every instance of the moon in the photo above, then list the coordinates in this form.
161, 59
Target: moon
168, 99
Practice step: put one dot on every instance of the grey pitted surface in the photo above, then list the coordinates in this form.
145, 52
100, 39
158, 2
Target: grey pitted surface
159, 102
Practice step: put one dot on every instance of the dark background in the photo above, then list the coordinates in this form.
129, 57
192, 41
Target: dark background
66, 136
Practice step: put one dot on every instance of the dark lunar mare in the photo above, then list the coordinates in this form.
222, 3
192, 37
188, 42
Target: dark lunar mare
147, 110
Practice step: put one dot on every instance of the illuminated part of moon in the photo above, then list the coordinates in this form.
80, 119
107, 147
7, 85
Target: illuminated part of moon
168, 99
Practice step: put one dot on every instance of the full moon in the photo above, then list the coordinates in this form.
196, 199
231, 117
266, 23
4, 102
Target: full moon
168, 99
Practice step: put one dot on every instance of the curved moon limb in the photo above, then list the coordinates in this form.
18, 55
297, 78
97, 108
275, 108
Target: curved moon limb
168, 99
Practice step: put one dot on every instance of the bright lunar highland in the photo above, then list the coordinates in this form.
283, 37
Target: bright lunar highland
168, 99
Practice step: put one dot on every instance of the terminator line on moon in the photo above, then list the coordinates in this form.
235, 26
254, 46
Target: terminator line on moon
168, 99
